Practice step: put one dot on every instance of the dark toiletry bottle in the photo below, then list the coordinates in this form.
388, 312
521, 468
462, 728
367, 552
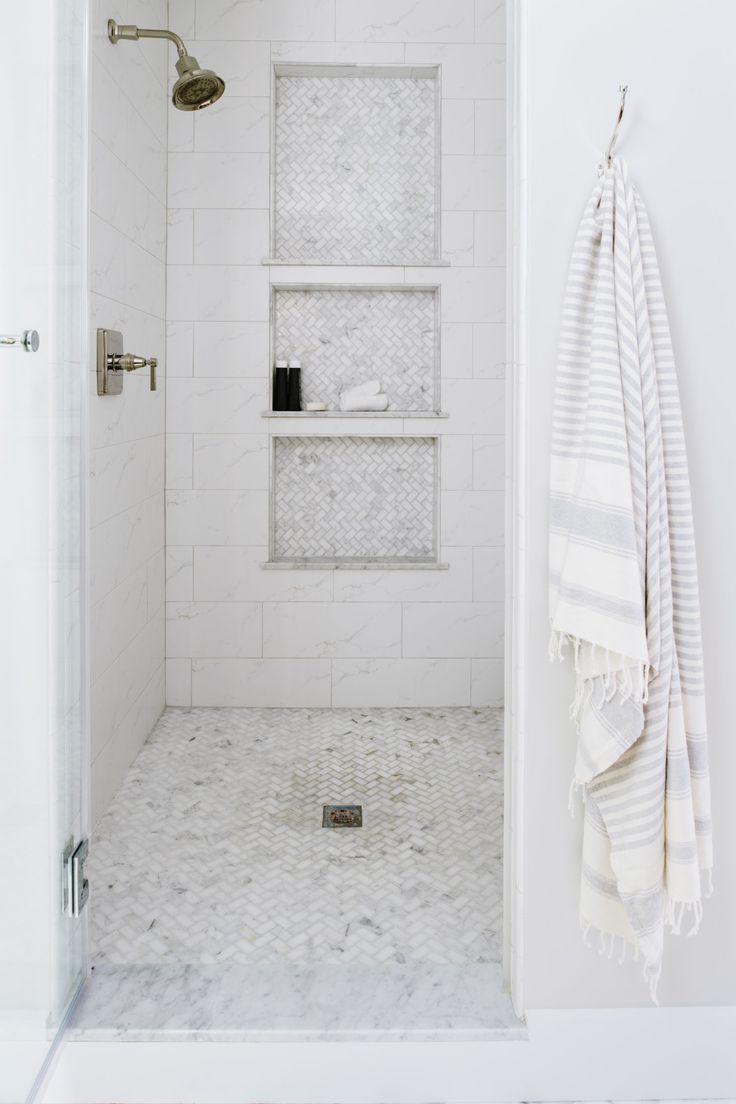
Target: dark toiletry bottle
280, 386
295, 382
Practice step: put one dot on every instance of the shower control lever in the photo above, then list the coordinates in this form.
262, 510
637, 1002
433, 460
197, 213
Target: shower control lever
112, 362
128, 362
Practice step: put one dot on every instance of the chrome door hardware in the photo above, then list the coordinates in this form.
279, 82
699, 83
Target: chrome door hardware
112, 362
74, 885
28, 340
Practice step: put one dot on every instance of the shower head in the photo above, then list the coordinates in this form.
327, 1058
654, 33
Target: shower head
196, 88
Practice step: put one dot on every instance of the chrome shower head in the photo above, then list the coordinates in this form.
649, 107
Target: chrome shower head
196, 88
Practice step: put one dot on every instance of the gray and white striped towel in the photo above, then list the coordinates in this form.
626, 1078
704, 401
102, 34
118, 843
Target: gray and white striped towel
623, 587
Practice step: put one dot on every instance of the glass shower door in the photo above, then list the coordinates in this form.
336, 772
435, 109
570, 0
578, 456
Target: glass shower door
42, 593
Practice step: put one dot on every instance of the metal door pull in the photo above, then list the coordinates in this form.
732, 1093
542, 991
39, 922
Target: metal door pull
28, 340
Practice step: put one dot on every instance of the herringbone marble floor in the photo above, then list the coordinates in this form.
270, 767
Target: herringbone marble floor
213, 849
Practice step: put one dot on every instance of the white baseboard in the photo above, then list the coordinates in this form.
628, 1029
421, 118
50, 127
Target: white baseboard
584, 1054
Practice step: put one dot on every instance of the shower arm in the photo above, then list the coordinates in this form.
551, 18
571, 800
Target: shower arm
129, 32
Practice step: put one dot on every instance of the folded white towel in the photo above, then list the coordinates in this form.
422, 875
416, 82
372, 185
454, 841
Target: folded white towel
351, 401
369, 387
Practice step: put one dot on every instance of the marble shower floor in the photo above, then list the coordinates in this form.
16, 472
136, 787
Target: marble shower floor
220, 904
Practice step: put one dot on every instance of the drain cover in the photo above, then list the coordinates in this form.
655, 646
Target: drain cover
342, 816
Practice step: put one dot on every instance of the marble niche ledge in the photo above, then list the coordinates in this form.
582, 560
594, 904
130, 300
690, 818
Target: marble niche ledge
354, 414
290, 1002
353, 565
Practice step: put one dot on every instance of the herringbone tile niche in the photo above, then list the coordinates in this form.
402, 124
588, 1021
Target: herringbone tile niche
354, 499
356, 165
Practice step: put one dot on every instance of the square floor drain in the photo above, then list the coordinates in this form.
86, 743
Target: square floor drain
342, 816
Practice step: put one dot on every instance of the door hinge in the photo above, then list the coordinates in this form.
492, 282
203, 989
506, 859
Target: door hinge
74, 885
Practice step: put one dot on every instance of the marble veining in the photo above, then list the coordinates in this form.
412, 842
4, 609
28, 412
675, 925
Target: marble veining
346, 336
221, 909
354, 498
282, 1002
212, 851
355, 169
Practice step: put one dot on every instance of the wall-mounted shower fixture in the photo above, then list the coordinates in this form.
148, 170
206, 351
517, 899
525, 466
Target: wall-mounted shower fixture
196, 88
112, 362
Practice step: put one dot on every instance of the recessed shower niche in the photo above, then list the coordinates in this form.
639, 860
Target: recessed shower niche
345, 335
356, 164
354, 500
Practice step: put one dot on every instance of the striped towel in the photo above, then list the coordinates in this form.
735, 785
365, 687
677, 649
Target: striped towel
623, 588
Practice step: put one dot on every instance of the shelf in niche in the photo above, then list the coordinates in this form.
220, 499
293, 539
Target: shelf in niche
298, 262
424, 414
358, 565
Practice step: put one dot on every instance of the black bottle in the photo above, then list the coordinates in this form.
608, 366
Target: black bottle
280, 386
295, 383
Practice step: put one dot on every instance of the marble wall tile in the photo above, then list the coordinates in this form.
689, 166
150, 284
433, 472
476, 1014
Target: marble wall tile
329, 637
472, 629
456, 463
218, 293
489, 241
222, 629
179, 682
490, 127
124, 542
458, 127
179, 573
122, 475
488, 463
490, 21
405, 682
472, 517
231, 349
117, 619
468, 72
179, 349
487, 683
302, 630
235, 124
127, 279
282, 19
458, 237
453, 585
179, 461
244, 66
473, 183
236, 575
180, 236
475, 406
389, 20
230, 237
488, 574
215, 405
231, 460
217, 517
489, 350
218, 179
456, 356
261, 682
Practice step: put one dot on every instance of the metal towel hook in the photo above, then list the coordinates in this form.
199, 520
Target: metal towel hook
623, 89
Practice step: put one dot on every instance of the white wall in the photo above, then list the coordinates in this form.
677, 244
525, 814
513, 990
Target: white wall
221, 604
129, 84
676, 137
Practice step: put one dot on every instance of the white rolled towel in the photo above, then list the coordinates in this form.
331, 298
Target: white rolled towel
350, 401
370, 387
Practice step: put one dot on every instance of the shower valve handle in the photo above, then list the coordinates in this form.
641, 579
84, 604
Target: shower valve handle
128, 362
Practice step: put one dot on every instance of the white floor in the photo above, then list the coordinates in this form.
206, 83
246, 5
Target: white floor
213, 853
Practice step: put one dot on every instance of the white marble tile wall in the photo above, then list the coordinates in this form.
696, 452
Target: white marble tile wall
242, 635
128, 154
